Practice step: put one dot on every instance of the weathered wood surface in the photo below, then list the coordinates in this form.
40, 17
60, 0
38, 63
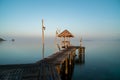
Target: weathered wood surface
59, 57
41, 70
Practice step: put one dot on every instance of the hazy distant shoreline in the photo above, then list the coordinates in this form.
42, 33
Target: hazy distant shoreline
2, 39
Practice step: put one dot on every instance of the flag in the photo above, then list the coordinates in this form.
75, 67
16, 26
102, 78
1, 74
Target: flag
43, 28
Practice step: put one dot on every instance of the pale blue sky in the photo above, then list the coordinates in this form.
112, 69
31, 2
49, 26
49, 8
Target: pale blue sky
89, 18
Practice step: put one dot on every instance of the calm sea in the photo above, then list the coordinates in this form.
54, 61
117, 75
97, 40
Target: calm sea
101, 60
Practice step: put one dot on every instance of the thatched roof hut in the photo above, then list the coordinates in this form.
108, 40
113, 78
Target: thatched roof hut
65, 33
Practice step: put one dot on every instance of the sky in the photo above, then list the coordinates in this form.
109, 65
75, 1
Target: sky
92, 19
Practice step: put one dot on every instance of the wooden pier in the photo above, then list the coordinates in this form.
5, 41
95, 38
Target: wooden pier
51, 68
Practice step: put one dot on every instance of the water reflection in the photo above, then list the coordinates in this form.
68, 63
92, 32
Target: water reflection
79, 59
68, 75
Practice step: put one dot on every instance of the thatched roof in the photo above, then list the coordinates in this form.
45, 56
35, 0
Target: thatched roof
65, 33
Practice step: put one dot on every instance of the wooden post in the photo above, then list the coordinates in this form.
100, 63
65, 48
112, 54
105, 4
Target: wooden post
66, 67
73, 52
70, 59
64, 42
58, 69
69, 41
81, 42
43, 28
56, 41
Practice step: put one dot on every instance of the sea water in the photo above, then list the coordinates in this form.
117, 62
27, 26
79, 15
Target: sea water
102, 58
102, 61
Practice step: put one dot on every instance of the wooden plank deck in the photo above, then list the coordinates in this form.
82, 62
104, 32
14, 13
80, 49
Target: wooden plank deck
41, 70
59, 57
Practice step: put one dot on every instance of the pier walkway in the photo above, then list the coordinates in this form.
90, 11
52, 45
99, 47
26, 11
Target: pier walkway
46, 69
59, 57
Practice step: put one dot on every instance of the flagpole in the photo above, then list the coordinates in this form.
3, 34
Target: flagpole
43, 38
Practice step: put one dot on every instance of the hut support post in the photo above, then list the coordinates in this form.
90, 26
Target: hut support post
64, 41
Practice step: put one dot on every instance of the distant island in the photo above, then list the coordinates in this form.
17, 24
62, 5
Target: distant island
2, 39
